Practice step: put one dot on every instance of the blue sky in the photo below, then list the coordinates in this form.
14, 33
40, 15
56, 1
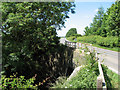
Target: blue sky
85, 12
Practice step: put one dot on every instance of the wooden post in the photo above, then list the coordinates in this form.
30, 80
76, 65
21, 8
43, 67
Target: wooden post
90, 47
99, 82
101, 76
77, 45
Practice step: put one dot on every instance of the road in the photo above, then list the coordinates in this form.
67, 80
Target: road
109, 58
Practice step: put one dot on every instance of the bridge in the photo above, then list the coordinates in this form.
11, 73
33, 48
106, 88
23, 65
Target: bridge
70, 44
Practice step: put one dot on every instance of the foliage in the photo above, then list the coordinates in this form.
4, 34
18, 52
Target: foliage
59, 82
71, 32
14, 82
85, 78
102, 41
77, 35
111, 78
71, 38
110, 43
97, 22
29, 37
106, 24
87, 31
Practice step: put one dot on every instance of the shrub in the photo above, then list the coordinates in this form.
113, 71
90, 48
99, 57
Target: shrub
17, 82
102, 41
85, 78
71, 32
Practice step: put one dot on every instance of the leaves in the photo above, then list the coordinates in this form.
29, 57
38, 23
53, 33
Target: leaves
29, 35
106, 24
71, 32
17, 82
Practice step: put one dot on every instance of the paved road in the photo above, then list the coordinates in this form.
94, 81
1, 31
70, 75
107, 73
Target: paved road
109, 58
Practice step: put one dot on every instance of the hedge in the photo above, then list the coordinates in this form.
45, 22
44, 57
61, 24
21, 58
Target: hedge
110, 41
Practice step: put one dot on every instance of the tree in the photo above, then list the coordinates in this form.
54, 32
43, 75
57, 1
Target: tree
71, 32
29, 35
106, 24
97, 22
96, 25
87, 31
113, 20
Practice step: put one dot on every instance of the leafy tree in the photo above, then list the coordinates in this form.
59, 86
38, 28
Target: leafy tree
95, 27
78, 35
29, 35
103, 26
71, 32
113, 20
97, 21
87, 31
106, 24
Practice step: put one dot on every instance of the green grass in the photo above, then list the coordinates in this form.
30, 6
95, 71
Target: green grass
87, 76
111, 78
113, 49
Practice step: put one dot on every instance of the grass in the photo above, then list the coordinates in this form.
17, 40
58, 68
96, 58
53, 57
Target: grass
87, 76
111, 78
113, 49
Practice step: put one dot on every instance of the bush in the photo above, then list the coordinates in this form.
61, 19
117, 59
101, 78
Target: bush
71, 32
102, 41
30, 41
17, 82
85, 78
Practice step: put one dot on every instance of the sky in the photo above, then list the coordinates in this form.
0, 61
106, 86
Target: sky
85, 12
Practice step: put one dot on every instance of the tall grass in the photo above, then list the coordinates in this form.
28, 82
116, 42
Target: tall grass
87, 76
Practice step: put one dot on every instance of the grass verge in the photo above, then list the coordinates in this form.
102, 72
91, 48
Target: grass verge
87, 76
113, 49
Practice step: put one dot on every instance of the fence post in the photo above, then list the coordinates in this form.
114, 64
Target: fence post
77, 45
99, 82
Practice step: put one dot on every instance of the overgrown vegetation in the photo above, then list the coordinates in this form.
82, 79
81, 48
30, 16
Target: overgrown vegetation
106, 23
111, 78
87, 76
108, 42
14, 82
30, 44
71, 32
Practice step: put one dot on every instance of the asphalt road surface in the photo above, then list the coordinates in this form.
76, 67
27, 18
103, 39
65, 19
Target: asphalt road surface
109, 58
